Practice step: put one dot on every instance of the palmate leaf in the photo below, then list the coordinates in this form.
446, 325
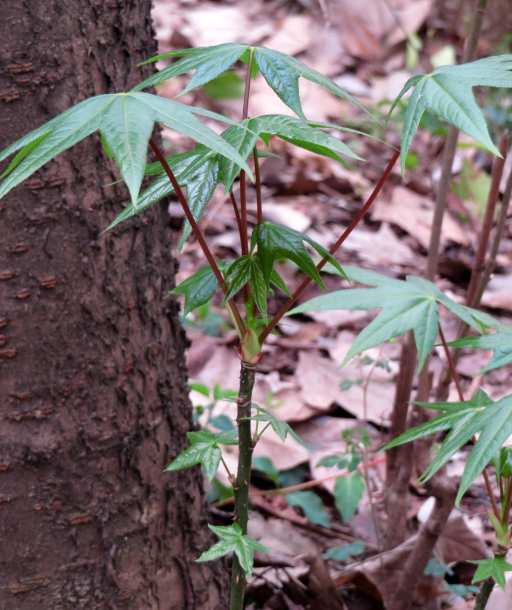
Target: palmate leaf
447, 92
454, 416
480, 415
204, 450
405, 305
247, 270
233, 541
201, 170
275, 241
281, 428
281, 71
500, 343
493, 567
200, 287
125, 121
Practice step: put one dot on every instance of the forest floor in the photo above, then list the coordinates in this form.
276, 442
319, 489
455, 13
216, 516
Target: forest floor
363, 48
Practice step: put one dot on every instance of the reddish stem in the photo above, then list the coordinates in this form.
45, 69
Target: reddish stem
258, 186
237, 215
243, 199
483, 241
321, 264
197, 232
456, 378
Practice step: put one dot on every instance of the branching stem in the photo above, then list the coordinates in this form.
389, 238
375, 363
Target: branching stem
275, 320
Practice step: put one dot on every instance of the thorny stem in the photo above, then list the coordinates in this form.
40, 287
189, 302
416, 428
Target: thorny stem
245, 448
456, 378
286, 490
199, 236
449, 152
321, 264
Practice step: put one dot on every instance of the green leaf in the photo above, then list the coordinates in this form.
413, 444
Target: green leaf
282, 74
23, 153
277, 241
201, 185
340, 553
243, 139
302, 134
233, 541
499, 343
447, 92
222, 422
346, 460
348, 492
204, 450
200, 287
125, 121
227, 86
182, 166
209, 63
220, 394
281, 71
493, 567
199, 387
311, 505
281, 428
247, 269
405, 305
495, 427
202, 169
277, 281
266, 466
453, 413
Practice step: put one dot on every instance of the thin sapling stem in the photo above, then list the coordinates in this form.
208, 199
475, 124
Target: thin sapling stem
241, 498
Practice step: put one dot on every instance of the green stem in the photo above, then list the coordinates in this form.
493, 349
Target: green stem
483, 595
245, 447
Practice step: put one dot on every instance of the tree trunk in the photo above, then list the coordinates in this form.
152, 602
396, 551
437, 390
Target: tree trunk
92, 375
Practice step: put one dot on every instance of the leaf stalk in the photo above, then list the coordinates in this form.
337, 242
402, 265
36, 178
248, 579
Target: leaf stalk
199, 236
275, 320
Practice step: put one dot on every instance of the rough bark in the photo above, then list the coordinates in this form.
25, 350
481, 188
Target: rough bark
92, 373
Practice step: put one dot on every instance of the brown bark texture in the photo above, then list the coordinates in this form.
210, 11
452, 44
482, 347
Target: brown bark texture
93, 399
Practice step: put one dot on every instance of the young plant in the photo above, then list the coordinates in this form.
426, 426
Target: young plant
125, 122
413, 305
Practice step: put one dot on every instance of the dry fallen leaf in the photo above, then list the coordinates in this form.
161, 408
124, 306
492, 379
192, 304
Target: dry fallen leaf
413, 213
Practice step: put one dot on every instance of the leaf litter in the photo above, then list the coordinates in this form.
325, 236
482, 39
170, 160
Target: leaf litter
362, 47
